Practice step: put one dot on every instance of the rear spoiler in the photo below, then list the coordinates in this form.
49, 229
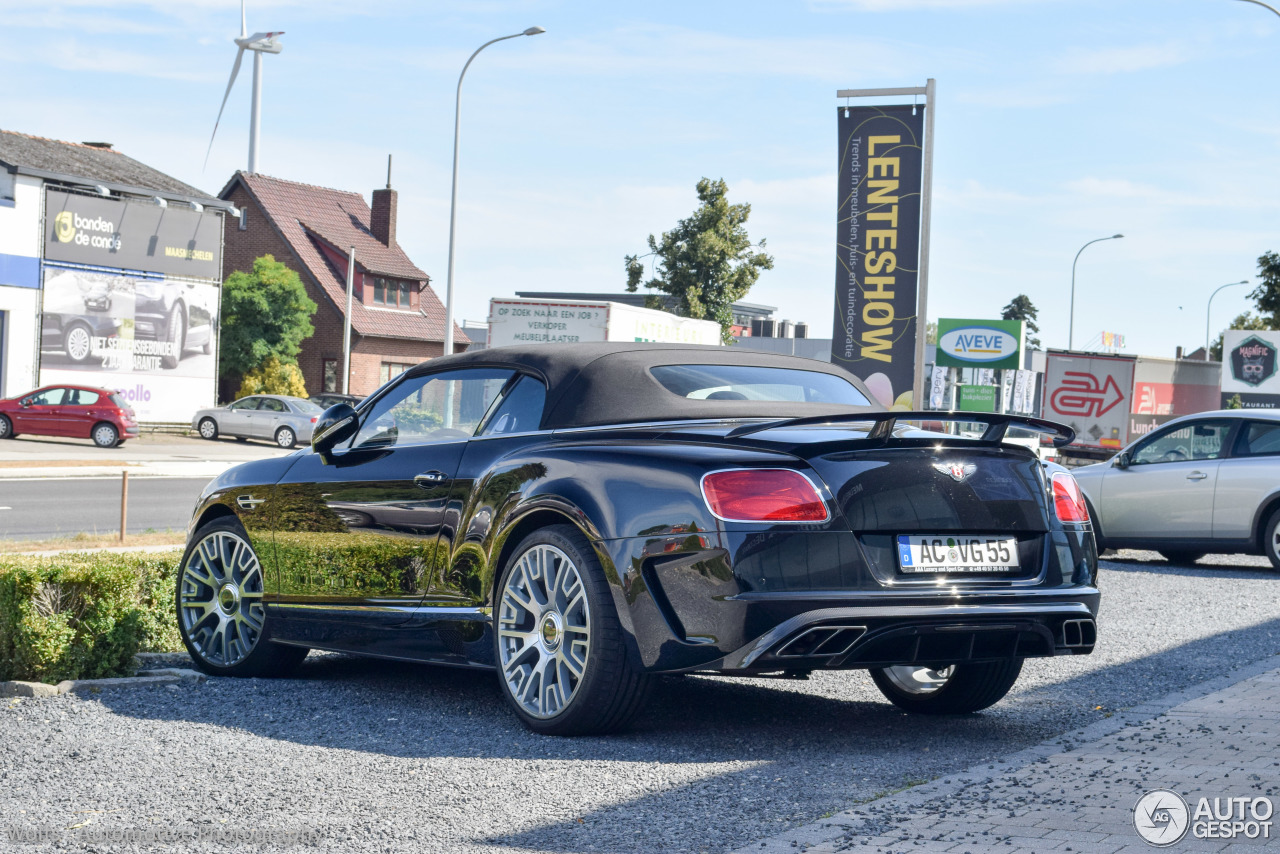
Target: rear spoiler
884, 422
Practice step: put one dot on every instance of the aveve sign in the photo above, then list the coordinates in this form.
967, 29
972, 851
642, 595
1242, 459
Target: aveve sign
974, 343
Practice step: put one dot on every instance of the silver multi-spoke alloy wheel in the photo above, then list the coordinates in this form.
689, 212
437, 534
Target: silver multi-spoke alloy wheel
208, 429
286, 438
79, 343
105, 436
914, 679
544, 631
220, 599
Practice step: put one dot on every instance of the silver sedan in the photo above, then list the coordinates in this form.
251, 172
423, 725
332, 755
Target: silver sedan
1200, 484
274, 417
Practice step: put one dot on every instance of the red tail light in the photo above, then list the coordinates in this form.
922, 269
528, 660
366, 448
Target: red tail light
313, 420
1068, 499
763, 495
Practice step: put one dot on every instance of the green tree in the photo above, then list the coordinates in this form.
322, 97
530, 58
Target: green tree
931, 332
1235, 402
1020, 308
707, 262
265, 313
1248, 320
1267, 294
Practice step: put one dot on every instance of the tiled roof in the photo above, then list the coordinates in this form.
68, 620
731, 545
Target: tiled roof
305, 214
87, 161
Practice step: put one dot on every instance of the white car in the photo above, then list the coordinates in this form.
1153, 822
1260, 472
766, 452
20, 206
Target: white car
1200, 484
274, 417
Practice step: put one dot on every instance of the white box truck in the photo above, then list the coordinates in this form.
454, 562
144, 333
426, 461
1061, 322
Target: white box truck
532, 321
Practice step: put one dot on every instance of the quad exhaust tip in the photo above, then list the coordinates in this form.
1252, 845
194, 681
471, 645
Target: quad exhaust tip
821, 642
1077, 634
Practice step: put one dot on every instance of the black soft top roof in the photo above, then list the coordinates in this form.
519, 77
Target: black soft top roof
596, 384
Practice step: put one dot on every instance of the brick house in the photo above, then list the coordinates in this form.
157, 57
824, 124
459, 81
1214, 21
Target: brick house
396, 318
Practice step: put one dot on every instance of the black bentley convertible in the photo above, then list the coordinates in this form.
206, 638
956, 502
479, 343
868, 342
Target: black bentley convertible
582, 517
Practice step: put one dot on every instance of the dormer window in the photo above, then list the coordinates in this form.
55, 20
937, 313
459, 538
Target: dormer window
393, 292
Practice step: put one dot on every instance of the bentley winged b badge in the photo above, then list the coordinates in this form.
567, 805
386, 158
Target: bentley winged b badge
956, 471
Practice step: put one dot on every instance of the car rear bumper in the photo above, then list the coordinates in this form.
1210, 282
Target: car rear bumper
864, 637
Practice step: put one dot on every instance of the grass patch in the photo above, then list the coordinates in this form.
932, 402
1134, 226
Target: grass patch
94, 541
84, 615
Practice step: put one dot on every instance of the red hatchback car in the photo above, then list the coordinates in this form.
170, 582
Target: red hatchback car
81, 412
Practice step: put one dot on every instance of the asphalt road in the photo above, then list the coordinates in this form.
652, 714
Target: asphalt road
53, 507
385, 756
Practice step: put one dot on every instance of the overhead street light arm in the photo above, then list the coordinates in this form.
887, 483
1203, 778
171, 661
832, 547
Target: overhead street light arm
1263, 5
1071, 323
453, 195
1209, 308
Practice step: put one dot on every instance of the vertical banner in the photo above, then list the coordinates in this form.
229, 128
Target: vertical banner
937, 388
878, 248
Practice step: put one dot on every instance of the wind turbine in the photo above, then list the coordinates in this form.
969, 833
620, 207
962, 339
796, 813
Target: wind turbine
259, 43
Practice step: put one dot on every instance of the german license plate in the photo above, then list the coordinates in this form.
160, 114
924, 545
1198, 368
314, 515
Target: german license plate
952, 553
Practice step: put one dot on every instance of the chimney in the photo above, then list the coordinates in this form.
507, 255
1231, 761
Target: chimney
383, 222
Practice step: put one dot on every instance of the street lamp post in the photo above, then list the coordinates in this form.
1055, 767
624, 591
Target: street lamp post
1209, 308
1071, 324
453, 196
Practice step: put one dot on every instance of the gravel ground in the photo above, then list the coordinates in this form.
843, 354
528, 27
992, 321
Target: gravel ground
378, 756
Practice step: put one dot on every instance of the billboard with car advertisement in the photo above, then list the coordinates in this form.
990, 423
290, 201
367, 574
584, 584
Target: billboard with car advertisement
132, 234
878, 247
1091, 394
151, 338
1249, 368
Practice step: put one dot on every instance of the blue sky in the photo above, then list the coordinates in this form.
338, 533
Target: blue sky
1058, 121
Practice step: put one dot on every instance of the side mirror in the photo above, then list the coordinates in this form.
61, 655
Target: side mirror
25, 402
336, 424
1122, 460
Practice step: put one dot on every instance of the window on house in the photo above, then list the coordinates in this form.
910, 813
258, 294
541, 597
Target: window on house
390, 370
330, 374
392, 292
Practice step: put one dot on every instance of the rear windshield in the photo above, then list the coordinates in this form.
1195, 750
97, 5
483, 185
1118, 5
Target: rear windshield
119, 401
749, 382
306, 407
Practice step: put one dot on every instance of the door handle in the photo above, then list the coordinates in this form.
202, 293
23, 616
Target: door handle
1197, 475
426, 480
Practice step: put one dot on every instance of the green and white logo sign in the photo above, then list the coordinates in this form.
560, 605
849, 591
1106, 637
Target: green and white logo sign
980, 343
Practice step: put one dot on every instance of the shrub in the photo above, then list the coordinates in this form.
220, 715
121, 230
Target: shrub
84, 615
273, 377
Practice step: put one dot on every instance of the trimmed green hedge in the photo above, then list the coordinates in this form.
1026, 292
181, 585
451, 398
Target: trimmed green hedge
84, 615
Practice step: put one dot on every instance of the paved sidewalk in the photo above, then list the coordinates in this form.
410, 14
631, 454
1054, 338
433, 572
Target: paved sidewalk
1078, 792
151, 455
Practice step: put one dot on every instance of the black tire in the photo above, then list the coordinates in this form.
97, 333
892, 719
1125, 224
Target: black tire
1096, 522
1177, 556
208, 428
77, 342
175, 333
242, 438
969, 688
611, 689
1271, 539
286, 438
105, 435
209, 551
6, 428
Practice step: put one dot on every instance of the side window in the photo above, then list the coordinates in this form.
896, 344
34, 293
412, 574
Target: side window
80, 397
440, 407
1200, 441
270, 404
245, 403
1259, 439
521, 410
49, 397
